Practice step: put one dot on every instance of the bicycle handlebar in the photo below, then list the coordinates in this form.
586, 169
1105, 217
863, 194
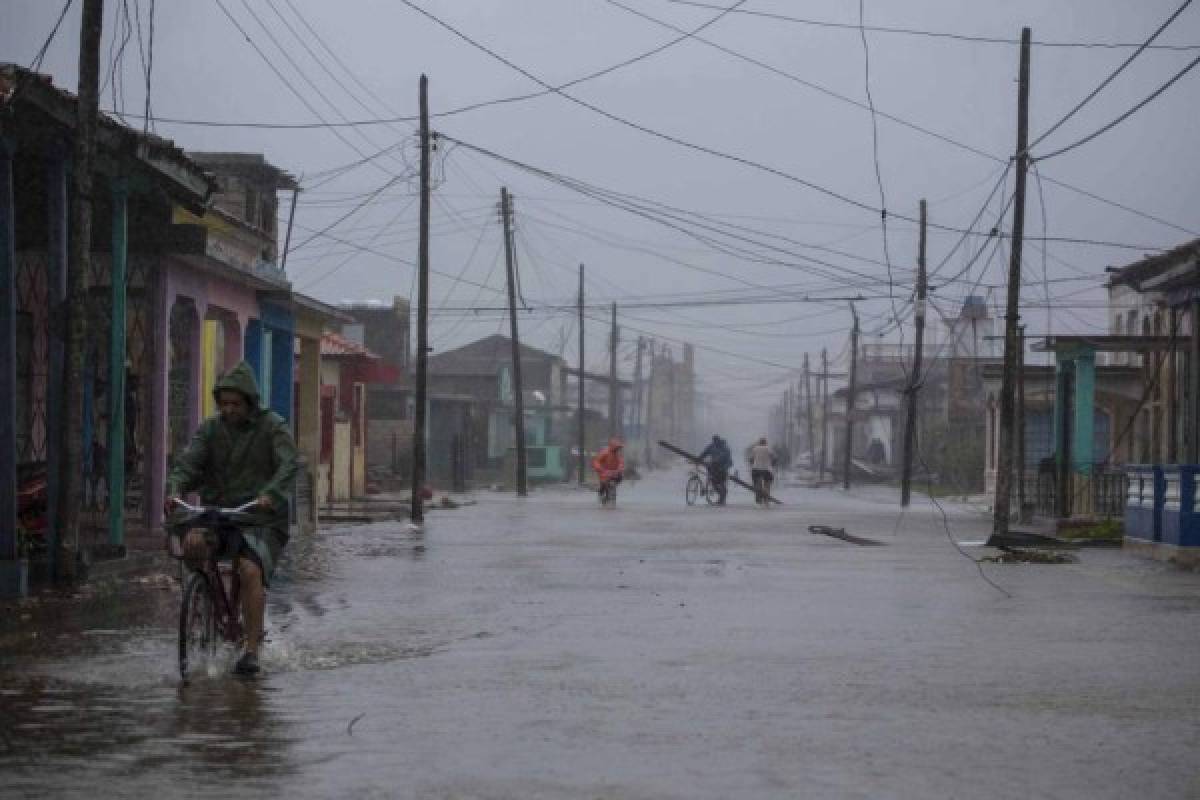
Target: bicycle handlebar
242, 509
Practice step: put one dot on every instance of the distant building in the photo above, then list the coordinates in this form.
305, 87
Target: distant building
482, 373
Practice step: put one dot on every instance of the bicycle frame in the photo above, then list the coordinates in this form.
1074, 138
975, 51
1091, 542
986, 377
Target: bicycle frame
216, 523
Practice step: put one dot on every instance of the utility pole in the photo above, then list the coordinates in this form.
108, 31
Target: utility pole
808, 412
824, 411
582, 424
614, 397
417, 514
914, 381
518, 388
649, 454
70, 495
637, 387
1021, 425
851, 396
1004, 467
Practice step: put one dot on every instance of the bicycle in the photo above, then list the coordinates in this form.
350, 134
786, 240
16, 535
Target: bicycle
699, 484
608, 491
762, 487
209, 611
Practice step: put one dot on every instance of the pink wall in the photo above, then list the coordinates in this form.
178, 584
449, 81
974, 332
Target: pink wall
213, 298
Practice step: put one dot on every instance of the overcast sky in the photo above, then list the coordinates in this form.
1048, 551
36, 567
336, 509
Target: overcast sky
365, 56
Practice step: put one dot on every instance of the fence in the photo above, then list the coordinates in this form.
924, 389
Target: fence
1109, 485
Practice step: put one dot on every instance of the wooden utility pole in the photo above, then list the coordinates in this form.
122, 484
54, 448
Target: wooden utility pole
1021, 425
851, 397
417, 514
824, 411
1004, 466
582, 367
614, 397
637, 387
649, 439
70, 495
515, 341
914, 380
808, 412
1193, 451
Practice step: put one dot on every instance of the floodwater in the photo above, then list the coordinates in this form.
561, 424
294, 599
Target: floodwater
549, 648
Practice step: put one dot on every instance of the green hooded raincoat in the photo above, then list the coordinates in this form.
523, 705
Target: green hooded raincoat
232, 464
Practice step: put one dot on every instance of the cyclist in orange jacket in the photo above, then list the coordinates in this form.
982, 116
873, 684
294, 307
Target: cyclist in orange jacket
609, 463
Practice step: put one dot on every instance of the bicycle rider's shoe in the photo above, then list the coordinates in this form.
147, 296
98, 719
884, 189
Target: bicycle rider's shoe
246, 665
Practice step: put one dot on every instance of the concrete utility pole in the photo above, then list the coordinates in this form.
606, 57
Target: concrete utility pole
851, 396
287, 237
914, 381
582, 424
515, 341
70, 495
1004, 466
614, 397
808, 412
417, 513
824, 411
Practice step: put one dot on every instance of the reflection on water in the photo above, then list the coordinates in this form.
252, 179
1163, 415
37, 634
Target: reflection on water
165, 731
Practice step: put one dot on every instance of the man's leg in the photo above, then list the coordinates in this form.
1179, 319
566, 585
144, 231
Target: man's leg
254, 601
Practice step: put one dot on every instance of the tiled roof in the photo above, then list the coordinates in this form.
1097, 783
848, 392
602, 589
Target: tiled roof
337, 345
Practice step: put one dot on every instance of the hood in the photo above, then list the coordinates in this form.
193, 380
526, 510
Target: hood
240, 379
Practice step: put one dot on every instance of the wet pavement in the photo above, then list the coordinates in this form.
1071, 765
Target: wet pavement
549, 648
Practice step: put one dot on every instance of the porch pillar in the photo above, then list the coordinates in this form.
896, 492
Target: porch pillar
9, 575
308, 422
116, 365
1082, 428
56, 297
253, 348
283, 373
1062, 438
160, 393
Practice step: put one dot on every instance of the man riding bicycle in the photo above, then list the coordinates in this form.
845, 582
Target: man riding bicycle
717, 459
609, 464
244, 453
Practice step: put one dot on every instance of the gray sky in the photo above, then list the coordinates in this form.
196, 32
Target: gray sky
204, 69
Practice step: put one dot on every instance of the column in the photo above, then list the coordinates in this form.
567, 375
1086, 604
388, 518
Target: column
56, 296
283, 373
253, 348
8, 374
308, 425
116, 365
1083, 434
160, 392
1062, 426
1082, 429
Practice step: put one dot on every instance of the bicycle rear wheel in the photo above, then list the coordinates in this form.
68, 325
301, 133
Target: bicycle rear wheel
197, 623
710, 493
692, 490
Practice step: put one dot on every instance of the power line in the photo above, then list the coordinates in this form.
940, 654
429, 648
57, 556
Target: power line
962, 37
1153, 96
1111, 76
898, 120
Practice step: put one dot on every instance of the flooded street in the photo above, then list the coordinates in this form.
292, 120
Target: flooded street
552, 648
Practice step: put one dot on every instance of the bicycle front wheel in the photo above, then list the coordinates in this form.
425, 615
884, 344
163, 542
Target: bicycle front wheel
197, 623
692, 490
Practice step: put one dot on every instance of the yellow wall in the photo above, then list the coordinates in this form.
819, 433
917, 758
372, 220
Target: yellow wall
212, 363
